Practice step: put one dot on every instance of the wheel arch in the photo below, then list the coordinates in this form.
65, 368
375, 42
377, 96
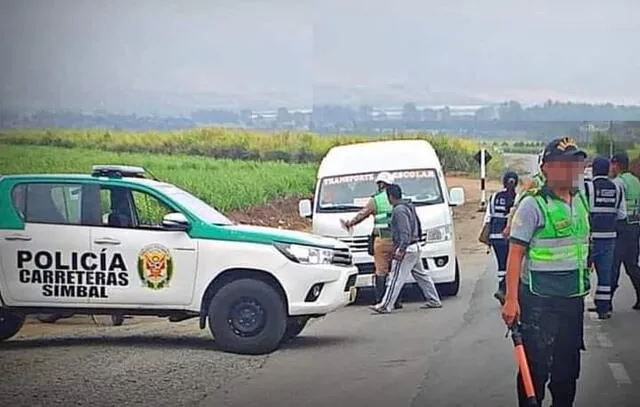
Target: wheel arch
233, 274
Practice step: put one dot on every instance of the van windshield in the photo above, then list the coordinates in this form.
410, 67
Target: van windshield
352, 192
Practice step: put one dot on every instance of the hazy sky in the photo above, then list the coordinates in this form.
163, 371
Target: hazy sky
71, 53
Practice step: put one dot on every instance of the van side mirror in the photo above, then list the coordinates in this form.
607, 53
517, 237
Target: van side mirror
176, 222
456, 196
304, 208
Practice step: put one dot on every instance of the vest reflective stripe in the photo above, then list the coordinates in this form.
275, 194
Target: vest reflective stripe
557, 255
631, 195
499, 207
604, 201
383, 210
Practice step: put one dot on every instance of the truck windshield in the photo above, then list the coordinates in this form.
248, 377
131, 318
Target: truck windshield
352, 192
199, 208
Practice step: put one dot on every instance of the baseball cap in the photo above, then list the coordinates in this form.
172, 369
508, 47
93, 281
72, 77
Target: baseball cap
385, 177
563, 148
620, 158
510, 176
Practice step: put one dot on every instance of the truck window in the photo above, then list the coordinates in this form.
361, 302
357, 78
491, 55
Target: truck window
53, 203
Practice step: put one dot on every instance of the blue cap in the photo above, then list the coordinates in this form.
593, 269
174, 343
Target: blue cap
600, 165
562, 149
509, 176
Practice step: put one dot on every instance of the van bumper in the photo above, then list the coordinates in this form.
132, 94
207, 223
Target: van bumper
438, 259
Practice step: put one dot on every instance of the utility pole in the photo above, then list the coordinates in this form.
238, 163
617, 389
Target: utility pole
610, 138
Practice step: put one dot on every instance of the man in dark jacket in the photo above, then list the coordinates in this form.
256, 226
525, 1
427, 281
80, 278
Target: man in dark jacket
405, 234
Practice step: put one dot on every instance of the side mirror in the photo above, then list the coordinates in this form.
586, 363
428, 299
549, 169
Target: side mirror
304, 208
456, 196
176, 221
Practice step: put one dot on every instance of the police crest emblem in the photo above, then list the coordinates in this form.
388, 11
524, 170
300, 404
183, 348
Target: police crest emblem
155, 266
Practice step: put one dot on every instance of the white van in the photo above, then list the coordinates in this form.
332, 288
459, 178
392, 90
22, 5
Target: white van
345, 182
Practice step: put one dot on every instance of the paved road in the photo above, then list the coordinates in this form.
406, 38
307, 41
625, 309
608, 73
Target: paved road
454, 356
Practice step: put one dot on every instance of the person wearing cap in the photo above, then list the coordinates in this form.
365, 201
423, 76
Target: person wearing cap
628, 230
607, 206
380, 208
500, 204
547, 274
405, 231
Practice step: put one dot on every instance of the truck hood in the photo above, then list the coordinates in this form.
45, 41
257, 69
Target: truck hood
328, 224
261, 234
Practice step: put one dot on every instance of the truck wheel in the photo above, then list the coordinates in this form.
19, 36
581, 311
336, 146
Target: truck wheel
295, 325
10, 324
247, 316
451, 289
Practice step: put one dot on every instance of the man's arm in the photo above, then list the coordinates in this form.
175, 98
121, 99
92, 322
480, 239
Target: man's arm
622, 204
526, 220
487, 213
368, 210
401, 227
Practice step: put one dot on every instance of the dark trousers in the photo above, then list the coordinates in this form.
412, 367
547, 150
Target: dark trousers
602, 255
626, 252
552, 333
501, 250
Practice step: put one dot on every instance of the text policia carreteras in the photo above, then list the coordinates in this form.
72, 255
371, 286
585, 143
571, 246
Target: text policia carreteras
82, 275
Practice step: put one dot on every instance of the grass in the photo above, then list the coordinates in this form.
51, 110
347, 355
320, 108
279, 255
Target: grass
456, 154
226, 184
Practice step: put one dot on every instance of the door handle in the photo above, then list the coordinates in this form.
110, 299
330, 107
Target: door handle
107, 240
18, 237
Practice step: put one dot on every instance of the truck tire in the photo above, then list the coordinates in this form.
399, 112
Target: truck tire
451, 289
295, 325
10, 324
247, 316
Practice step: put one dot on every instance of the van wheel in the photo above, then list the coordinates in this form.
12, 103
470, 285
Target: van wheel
451, 289
247, 316
295, 325
10, 324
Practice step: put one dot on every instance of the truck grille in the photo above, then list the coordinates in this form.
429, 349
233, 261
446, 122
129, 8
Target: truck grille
360, 243
356, 243
342, 257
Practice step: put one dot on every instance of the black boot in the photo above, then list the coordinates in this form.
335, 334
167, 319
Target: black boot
636, 306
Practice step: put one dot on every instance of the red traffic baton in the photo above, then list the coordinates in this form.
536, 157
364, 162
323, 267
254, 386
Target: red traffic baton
523, 363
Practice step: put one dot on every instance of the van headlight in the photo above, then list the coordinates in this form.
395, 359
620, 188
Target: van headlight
305, 254
438, 234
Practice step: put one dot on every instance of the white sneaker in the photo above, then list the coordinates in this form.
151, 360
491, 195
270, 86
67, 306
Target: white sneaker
431, 304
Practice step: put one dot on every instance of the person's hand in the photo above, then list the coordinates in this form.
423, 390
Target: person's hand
345, 224
510, 311
506, 231
398, 254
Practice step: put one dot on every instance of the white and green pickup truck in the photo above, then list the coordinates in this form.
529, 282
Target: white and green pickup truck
118, 242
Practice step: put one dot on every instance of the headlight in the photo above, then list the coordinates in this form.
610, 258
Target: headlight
305, 254
439, 234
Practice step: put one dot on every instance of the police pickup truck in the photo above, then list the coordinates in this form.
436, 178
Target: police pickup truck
120, 242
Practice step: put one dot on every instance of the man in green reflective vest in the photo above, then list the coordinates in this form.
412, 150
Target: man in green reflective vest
546, 291
628, 230
380, 208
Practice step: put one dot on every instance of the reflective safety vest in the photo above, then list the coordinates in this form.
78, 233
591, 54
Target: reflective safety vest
631, 196
557, 255
499, 207
383, 211
604, 198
